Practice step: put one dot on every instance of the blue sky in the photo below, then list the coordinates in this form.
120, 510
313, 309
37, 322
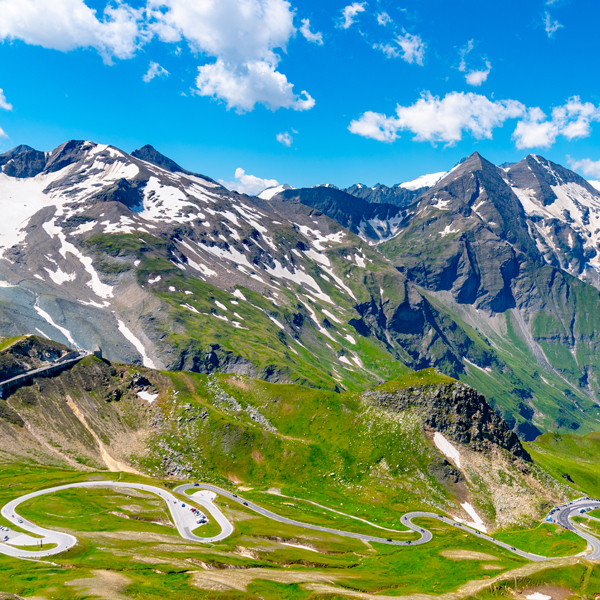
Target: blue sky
306, 92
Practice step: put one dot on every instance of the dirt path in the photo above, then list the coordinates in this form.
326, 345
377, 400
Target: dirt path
111, 463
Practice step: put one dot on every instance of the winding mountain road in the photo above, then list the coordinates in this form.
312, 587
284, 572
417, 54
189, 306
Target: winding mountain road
573, 509
204, 494
184, 519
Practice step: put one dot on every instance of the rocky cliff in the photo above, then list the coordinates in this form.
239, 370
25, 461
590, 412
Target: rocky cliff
457, 411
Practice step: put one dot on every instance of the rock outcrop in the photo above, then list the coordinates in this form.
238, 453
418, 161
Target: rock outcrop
456, 410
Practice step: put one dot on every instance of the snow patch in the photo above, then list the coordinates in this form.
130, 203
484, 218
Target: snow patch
128, 335
423, 181
446, 448
477, 522
50, 320
147, 396
273, 191
447, 231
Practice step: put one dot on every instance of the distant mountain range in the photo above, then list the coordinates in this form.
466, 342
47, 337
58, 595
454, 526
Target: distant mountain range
489, 274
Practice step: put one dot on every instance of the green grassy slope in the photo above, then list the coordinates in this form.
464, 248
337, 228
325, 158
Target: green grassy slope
141, 560
572, 456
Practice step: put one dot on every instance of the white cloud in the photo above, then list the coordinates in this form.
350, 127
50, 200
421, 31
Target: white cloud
463, 56
433, 119
285, 138
572, 120
551, 25
248, 184
473, 77
245, 85
68, 24
349, 13
389, 50
413, 48
5, 105
315, 37
242, 36
587, 166
384, 19
155, 70
376, 127
3, 102
476, 78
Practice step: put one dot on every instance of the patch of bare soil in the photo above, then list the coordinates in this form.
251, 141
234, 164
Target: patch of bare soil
239, 579
107, 585
144, 536
491, 567
467, 555
238, 383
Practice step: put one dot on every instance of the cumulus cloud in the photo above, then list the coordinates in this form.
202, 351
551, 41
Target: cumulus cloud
433, 119
243, 86
376, 126
384, 19
155, 70
242, 37
68, 24
349, 13
572, 120
285, 138
248, 184
551, 25
315, 37
587, 166
476, 78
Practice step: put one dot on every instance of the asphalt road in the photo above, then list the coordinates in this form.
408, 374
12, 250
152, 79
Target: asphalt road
425, 535
563, 517
204, 494
7, 383
184, 519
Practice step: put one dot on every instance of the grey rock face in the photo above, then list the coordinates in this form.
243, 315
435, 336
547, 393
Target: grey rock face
370, 221
382, 194
458, 411
22, 161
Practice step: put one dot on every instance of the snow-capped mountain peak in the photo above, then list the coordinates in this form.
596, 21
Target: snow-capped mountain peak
269, 192
424, 181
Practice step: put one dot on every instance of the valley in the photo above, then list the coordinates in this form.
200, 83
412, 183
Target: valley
379, 393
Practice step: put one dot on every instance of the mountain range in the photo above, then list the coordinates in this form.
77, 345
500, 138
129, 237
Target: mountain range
489, 274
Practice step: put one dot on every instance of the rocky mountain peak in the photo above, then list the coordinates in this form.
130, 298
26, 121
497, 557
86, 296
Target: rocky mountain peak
22, 161
152, 155
539, 178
